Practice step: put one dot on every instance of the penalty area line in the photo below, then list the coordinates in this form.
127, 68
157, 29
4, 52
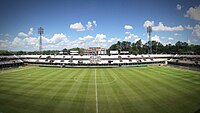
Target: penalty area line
96, 92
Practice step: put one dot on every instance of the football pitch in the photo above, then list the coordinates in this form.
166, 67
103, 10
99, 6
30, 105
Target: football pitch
152, 89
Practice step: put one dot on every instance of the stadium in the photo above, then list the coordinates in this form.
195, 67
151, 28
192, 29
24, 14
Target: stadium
100, 83
134, 74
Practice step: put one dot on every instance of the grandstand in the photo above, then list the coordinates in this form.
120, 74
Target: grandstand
10, 61
95, 60
99, 57
99, 60
186, 60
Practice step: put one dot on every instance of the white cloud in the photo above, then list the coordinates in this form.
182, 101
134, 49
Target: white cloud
30, 31
17, 42
75, 43
95, 23
130, 37
128, 27
114, 40
162, 27
31, 41
155, 38
193, 13
77, 26
57, 41
99, 38
28, 43
57, 38
188, 27
85, 37
170, 38
148, 23
5, 44
127, 32
89, 25
22, 34
196, 31
178, 7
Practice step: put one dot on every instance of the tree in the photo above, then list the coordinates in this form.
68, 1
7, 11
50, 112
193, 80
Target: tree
113, 47
4, 52
125, 46
134, 49
118, 46
181, 47
139, 46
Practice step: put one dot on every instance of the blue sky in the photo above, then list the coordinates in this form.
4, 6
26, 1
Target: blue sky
84, 23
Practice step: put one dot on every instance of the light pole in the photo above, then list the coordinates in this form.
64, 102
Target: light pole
40, 32
149, 30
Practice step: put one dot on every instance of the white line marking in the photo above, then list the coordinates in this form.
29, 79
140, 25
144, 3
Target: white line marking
96, 93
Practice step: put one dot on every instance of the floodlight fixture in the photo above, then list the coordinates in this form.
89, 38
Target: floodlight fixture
149, 30
40, 32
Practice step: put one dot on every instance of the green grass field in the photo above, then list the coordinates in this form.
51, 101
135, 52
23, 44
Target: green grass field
151, 89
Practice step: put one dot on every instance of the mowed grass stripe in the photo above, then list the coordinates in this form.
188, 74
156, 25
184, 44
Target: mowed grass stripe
126, 95
24, 101
38, 93
178, 82
139, 88
81, 94
109, 86
118, 93
120, 90
20, 76
186, 75
173, 91
151, 92
104, 99
16, 97
90, 100
63, 100
70, 95
15, 86
182, 75
55, 93
148, 89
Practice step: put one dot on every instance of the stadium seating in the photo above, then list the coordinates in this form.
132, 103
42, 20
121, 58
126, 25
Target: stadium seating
100, 60
10, 61
92, 59
193, 60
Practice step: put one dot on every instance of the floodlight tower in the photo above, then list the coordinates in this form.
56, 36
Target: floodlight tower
149, 30
40, 32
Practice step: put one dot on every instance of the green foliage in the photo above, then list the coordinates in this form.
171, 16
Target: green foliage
157, 48
4, 52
